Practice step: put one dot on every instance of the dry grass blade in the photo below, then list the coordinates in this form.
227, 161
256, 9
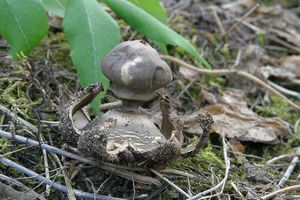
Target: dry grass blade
71, 194
19, 119
283, 190
221, 183
170, 183
239, 21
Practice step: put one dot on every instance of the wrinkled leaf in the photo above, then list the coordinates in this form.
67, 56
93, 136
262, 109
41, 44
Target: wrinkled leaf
144, 23
57, 7
23, 24
291, 64
234, 119
91, 33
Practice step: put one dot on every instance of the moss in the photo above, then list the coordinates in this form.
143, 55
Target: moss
4, 145
56, 44
207, 158
278, 107
169, 194
15, 96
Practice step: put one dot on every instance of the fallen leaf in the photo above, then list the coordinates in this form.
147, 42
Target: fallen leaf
236, 145
233, 119
284, 73
292, 64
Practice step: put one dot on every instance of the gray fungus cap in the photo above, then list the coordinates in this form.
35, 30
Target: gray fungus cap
135, 70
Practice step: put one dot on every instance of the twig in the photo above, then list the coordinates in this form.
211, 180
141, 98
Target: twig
170, 183
102, 165
289, 171
237, 59
107, 106
46, 165
284, 43
223, 72
281, 157
283, 190
177, 172
70, 190
15, 151
284, 90
19, 119
221, 183
237, 190
53, 184
240, 20
218, 21
186, 88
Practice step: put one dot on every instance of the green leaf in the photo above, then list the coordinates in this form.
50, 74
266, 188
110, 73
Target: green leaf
144, 23
57, 7
23, 24
91, 34
154, 8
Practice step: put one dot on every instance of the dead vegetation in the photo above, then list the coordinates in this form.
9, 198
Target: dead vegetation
252, 93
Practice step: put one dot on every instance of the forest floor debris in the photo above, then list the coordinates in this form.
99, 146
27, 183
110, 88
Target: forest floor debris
235, 37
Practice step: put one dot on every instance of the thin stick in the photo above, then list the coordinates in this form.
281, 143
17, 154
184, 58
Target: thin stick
70, 190
170, 183
284, 43
221, 183
177, 173
46, 164
218, 21
53, 184
284, 90
283, 190
223, 72
19, 119
289, 171
281, 157
240, 20
102, 165
237, 190
107, 106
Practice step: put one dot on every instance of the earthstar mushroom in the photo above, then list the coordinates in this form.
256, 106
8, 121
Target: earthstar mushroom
126, 134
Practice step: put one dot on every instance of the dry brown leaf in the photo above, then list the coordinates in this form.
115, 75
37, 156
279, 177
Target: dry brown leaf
236, 146
287, 71
292, 64
288, 34
234, 119
278, 72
